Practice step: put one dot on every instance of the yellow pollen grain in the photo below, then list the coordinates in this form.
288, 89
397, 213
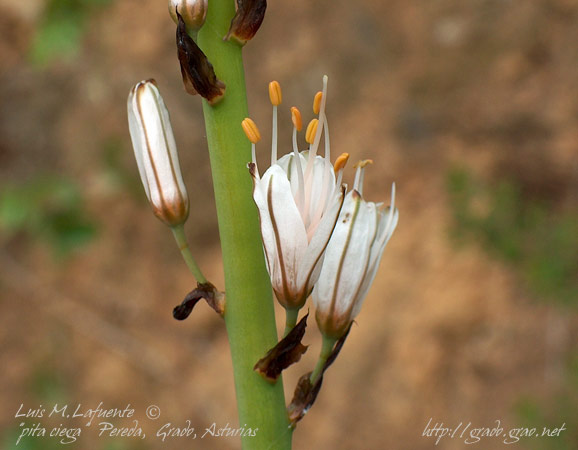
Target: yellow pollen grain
311, 131
251, 130
275, 93
296, 118
363, 163
317, 102
340, 162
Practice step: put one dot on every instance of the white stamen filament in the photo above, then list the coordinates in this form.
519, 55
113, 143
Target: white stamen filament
254, 160
327, 151
299, 200
358, 183
313, 147
274, 137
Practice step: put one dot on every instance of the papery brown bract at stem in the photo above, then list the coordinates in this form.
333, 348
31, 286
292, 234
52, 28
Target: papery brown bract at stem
305, 392
247, 20
212, 296
287, 351
197, 72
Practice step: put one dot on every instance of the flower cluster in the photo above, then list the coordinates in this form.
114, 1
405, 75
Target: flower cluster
316, 239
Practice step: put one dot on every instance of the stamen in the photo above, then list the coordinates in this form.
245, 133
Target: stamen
311, 131
326, 130
300, 197
251, 130
317, 102
340, 162
275, 93
296, 118
363, 163
359, 175
297, 126
313, 147
275, 96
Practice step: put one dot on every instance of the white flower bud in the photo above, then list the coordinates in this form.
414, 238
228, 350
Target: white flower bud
192, 11
156, 153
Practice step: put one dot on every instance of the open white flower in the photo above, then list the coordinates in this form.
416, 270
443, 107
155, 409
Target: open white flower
299, 198
156, 153
352, 258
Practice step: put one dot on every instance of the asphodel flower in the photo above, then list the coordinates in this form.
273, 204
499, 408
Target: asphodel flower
299, 198
156, 153
352, 258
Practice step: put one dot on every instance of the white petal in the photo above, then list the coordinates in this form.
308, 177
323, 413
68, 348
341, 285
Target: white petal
346, 257
282, 229
387, 225
308, 276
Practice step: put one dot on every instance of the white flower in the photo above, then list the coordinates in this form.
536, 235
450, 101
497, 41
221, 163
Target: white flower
352, 258
299, 198
156, 153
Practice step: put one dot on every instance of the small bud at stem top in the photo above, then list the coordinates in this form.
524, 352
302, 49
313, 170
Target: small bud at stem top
193, 12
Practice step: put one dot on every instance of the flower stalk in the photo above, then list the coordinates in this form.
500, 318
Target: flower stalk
249, 315
326, 349
179, 234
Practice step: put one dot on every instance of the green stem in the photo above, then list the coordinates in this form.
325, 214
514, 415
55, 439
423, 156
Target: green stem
179, 234
291, 316
326, 349
249, 316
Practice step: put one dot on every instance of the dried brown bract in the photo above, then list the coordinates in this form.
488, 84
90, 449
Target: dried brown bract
213, 297
287, 351
306, 392
247, 20
198, 73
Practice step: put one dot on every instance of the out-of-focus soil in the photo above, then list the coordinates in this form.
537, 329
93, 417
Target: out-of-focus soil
447, 332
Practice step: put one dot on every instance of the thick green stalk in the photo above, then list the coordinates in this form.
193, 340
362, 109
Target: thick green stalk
249, 313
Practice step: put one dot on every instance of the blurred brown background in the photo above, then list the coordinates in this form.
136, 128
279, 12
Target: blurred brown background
470, 106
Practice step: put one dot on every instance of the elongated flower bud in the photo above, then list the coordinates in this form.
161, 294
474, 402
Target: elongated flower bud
193, 12
156, 153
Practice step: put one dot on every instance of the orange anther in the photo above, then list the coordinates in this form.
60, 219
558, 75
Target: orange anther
251, 130
340, 162
275, 93
317, 102
363, 163
311, 131
296, 118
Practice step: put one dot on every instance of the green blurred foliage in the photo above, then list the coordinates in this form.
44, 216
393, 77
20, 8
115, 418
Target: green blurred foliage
558, 411
540, 242
49, 209
61, 29
116, 171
